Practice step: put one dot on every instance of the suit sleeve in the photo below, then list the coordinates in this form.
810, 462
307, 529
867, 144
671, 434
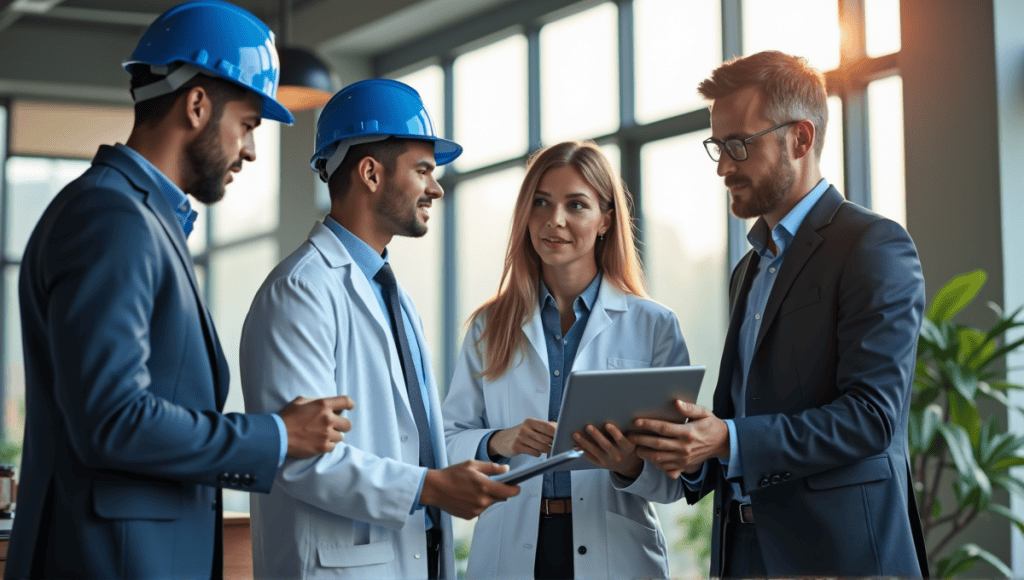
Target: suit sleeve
288, 350
880, 301
654, 484
464, 409
102, 277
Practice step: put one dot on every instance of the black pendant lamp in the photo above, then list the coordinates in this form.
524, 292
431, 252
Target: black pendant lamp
305, 79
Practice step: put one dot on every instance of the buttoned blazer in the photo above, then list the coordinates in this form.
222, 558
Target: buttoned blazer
125, 447
616, 531
316, 329
823, 446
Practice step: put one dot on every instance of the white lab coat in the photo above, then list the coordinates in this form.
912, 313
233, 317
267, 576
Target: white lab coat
316, 329
612, 518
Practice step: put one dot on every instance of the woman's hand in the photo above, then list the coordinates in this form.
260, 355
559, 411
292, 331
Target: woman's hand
617, 454
532, 437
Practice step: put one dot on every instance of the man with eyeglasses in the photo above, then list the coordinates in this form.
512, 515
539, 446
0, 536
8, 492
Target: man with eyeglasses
806, 444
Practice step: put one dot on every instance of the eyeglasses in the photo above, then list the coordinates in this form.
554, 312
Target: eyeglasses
736, 148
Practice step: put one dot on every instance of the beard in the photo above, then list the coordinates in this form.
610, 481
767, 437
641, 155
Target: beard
209, 165
394, 209
765, 196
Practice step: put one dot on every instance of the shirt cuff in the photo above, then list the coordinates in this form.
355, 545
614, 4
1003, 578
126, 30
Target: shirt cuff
416, 502
282, 432
733, 466
483, 455
695, 483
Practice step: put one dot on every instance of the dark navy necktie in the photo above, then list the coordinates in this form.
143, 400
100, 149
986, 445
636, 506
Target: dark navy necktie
386, 277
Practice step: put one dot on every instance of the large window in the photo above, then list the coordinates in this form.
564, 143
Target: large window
624, 73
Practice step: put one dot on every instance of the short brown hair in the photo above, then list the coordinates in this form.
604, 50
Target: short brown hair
792, 88
221, 92
386, 153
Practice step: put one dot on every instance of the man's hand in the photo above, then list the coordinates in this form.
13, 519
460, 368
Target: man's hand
532, 437
618, 454
676, 447
314, 426
465, 490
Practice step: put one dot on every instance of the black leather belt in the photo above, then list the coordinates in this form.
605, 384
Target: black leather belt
741, 512
433, 540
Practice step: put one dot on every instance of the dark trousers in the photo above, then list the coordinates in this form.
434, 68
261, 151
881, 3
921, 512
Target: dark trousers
742, 557
433, 554
554, 548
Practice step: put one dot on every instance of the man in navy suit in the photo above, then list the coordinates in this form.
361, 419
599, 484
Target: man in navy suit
806, 447
126, 448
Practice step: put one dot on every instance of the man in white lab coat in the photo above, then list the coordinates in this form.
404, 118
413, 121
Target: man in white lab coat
332, 315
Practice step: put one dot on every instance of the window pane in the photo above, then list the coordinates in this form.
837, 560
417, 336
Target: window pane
429, 83
832, 166
667, 70
490, 103
882, 33
250, 206
685, 252
484, 207
614, 155
31, 183
13, 363
579, 76
419, 267
774, 25
885, 142
67, 130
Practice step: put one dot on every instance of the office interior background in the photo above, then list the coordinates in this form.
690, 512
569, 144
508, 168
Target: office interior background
926, 113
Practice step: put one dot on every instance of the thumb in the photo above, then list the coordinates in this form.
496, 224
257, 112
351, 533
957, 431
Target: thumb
488, 468
691, 411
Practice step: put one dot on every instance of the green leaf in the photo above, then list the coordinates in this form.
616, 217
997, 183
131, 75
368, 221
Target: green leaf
1007, 463
956, 294
936, 509
932, 336
1009, 483
930, 419
963, 412
1008, 514
976, 487
984, 362
962, 379
977, 552
974, 344
1005, 386
956, 563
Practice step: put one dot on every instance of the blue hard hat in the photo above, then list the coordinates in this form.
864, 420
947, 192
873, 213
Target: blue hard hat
373, 110
213, 38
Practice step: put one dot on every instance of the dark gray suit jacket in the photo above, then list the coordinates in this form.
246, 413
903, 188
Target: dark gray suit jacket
824, 444
125, 449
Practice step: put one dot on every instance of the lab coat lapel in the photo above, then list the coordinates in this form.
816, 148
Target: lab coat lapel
609, 299
337, 256
534, 331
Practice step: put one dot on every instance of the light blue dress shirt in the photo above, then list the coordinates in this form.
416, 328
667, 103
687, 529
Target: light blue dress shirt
760, 289
561, 352
370, 262
186, 216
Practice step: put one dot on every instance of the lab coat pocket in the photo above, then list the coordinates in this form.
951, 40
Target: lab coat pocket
634, 549
625, 363
335, 556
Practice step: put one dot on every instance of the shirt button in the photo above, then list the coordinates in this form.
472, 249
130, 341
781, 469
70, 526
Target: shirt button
558, 336
566, 341
417, 556
557, 372
582, 550
772, 270
757, 316
405, 437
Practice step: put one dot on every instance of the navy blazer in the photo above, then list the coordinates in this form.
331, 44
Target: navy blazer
125, 446
824, 444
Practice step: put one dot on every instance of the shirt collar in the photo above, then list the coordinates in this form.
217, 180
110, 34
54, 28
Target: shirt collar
180, 205
368, 260
784, 232
587, 297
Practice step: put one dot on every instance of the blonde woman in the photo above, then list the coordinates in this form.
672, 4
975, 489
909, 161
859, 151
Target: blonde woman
572, 297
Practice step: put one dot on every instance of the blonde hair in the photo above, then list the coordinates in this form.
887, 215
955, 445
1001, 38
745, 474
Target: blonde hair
616, 255
792, 88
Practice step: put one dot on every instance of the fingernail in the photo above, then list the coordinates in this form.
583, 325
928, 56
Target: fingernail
576, 436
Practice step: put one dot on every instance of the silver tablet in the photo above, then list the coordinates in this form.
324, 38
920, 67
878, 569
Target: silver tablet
520, 474
620, 396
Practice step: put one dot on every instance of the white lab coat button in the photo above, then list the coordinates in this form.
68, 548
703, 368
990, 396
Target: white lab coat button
405, 437
417, 556
557, 372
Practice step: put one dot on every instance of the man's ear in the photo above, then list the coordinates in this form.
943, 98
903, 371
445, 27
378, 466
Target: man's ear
806, 133
198, 108
370, 172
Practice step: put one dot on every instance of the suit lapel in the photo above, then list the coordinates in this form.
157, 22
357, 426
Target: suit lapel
804, 245
161, 209
745, 270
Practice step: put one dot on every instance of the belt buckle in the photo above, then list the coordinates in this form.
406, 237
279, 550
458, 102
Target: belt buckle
743, 519
546, 505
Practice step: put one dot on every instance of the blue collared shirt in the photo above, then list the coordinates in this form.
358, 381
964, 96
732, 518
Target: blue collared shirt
186, 216
760, 289
369, 262
183, 211
561, 355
